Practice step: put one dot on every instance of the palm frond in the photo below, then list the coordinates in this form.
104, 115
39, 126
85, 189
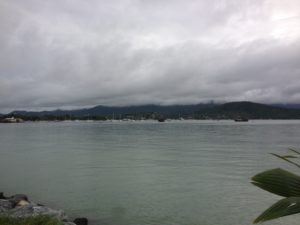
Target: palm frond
278, 181
286, 159
295, 151
290, 156
284, 207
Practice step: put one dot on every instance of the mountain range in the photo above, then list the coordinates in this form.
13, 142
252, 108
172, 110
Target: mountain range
230, 110
249, 110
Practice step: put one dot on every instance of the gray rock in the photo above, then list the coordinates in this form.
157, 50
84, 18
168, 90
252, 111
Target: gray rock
5, 205
18, 206
42, 210
15, 199
19, 197
22, 212
35, 210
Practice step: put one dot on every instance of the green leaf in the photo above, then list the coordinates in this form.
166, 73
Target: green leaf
286, 159
278, 181
284, 207
290, 156
295, 151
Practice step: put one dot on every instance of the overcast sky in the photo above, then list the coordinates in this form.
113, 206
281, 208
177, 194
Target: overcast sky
63, 53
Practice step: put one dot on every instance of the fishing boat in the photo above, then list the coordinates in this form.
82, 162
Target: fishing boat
241, 119
161, 120
11, 120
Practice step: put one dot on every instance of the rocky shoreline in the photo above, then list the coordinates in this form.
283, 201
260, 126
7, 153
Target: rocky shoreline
19, 206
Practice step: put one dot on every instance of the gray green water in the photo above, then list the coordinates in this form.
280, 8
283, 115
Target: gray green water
146, 173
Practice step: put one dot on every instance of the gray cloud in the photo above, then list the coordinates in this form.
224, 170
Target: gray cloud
73, 54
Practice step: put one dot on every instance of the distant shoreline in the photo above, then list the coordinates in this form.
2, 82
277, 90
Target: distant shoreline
211, 111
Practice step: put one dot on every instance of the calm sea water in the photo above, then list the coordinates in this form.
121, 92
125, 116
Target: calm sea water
146, 173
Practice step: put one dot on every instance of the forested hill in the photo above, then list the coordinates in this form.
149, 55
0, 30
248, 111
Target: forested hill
144, 111
230, 110
249, 110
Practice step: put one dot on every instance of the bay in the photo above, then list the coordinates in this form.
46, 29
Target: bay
145, 172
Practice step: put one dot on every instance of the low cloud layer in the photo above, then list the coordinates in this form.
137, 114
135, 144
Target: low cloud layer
64, 54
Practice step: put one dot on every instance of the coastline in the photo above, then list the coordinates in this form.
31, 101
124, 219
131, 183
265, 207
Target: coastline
19, 206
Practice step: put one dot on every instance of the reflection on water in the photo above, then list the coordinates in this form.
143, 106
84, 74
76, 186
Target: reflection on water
135, 173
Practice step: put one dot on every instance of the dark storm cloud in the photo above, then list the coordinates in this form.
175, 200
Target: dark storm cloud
73, 54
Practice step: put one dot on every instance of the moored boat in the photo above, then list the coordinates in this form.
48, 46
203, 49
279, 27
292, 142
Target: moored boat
241, 119
161, 120
11, 120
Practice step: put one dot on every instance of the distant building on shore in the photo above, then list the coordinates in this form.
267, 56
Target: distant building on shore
11, 120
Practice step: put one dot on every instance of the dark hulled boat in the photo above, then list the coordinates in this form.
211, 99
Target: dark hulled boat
242, 119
